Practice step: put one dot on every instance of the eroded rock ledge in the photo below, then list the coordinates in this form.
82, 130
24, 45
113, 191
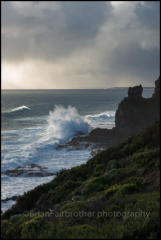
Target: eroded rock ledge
31, 170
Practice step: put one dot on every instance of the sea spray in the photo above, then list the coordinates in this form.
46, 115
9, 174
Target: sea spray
64, 123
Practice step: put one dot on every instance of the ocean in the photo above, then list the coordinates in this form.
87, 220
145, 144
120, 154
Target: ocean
36, 122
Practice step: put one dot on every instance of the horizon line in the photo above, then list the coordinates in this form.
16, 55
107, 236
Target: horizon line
10, 89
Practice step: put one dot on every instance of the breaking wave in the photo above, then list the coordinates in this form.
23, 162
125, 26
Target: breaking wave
20, 108
15, 111
65, 123
39, 143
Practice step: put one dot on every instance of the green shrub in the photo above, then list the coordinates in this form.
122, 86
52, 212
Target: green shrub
5, 225
138, 181
134, 185
9, 231
74, 206
84, 231
38, 227
113, 189
99, 169
70, 184
95, 184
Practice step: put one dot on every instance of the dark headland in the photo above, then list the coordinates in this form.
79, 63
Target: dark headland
114, 195
133, 114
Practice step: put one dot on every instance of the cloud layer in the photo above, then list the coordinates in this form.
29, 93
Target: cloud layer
79, 44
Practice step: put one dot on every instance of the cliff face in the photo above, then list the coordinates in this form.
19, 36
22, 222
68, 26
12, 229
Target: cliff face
156, 93
134, 113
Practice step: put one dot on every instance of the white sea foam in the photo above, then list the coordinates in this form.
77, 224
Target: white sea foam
104, 119
103, 115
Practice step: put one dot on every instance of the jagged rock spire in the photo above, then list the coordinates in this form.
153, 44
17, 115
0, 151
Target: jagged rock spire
135, 92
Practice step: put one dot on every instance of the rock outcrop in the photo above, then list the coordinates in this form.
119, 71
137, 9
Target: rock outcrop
13, 198
135, 92
31, 170
133, 114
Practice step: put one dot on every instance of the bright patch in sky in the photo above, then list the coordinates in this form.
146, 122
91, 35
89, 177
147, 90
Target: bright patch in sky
57, 44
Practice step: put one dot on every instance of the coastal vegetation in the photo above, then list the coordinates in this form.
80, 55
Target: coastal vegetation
114, 195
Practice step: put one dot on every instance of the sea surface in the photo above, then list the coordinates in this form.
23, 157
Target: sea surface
35, 122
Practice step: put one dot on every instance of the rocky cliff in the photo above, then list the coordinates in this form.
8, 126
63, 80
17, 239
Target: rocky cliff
133, 114
136, 112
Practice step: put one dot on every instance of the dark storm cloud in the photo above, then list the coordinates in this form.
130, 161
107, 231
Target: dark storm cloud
85, 18
50, 33
137, 52
135, 61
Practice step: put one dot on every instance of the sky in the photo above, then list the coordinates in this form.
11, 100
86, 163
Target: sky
77, 45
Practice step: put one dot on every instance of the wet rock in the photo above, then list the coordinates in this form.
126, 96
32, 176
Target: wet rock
14, 198
31, 170
77, 143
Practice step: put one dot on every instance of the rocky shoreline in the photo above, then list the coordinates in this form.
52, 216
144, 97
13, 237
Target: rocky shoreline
31, 170
14, 198
133, 114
